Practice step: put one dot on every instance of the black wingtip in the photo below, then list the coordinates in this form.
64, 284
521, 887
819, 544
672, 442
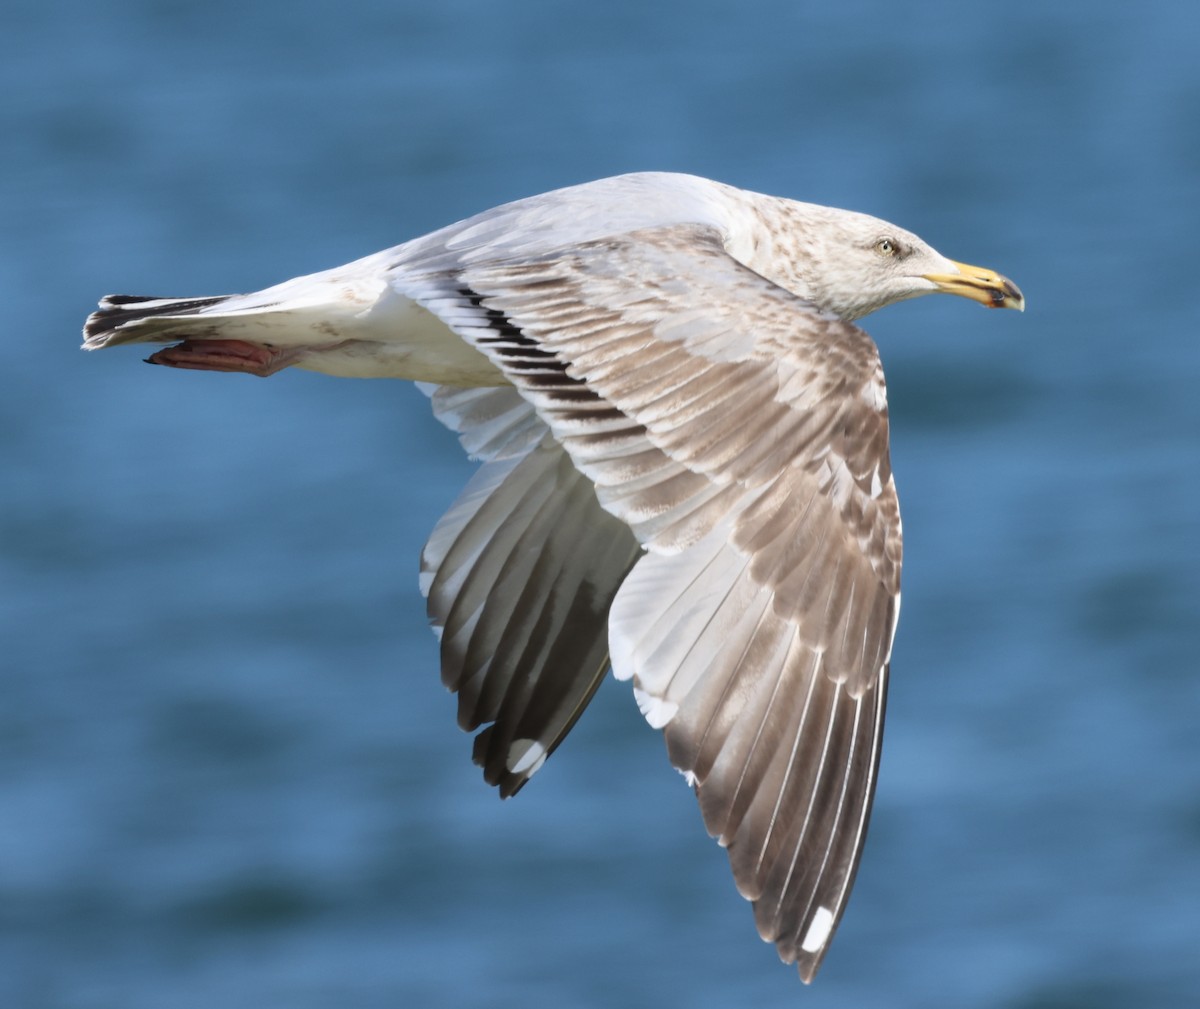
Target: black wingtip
129, 299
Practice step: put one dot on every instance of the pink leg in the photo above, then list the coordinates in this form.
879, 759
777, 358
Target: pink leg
225, 355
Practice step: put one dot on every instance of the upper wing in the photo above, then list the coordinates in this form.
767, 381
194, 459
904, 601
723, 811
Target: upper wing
519, 576
742, 436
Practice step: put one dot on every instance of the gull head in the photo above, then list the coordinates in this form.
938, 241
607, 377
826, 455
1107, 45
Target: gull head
852, 264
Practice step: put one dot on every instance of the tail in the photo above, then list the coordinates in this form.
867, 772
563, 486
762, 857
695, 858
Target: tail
130, 318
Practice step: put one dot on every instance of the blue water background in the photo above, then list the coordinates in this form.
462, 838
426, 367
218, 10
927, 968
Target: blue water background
229, 776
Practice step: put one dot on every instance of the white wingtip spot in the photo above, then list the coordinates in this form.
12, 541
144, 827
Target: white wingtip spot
892, 635
525, 756
689, 777
658, 711
818, 930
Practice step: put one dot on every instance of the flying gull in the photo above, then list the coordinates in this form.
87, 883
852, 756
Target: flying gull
685, 475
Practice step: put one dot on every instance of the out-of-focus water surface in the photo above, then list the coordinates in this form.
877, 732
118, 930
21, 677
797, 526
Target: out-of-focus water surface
229, 776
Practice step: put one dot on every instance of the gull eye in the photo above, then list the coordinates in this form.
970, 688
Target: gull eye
888, 247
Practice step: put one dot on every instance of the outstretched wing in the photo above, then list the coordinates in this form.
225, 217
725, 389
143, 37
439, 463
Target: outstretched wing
742, 436
519, 575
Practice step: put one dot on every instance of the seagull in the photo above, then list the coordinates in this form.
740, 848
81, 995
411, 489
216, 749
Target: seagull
685, 477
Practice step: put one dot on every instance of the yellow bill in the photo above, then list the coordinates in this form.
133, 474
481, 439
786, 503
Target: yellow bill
980, 284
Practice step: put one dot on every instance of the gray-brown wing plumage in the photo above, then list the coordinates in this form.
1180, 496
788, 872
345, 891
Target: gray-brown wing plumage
742, 436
